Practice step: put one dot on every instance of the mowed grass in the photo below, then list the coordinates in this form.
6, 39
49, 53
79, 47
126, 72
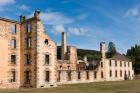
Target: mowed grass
95, 87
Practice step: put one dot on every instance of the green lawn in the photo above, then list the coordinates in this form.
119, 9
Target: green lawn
98, 87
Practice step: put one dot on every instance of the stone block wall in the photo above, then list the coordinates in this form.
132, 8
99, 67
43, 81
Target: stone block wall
31, 51
121, 67
43, 49
7, 33
102, 73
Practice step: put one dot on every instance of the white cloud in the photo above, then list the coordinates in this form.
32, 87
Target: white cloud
133, 12
24, 7
58, 29
78, 31
55, 18
5, 2
82, 16
73, 31
58, 21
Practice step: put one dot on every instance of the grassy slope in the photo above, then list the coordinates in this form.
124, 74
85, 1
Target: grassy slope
100, 87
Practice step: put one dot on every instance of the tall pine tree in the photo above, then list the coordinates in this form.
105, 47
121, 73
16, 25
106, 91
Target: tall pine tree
111, 50
134, 54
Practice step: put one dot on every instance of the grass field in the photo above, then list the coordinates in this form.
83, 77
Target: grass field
98, 87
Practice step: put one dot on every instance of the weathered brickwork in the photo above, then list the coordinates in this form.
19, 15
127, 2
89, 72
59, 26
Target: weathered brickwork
44, 49
6, 50
30, 50
28, 58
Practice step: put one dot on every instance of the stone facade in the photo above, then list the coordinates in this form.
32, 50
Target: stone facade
45, 47
7, 67
28, 58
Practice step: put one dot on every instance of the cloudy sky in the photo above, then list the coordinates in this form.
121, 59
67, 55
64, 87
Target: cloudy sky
87, 22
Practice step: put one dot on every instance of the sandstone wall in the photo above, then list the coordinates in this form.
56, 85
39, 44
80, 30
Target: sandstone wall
43, 49
118, 69
6, 50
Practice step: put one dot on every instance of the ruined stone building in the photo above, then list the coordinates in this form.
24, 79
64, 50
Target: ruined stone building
28, 58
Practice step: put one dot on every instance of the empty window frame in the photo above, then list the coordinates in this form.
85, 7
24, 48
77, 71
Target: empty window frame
47, 59
47, 76
28, 76
61, 67
101, 64
125, 64
28, 59
13, 43
120, 73
110, 73
69, 75
87, 75
120, 63
95, 74
28, 27
115, 62
79, 75
110, 62
125, 72
13, 28
28, 42
102, 74
13, 59
115, 73
59, 76
68, 67
13, 76
46, 41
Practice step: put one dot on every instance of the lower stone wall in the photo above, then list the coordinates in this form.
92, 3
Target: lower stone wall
8, 85
67, 77
85, 77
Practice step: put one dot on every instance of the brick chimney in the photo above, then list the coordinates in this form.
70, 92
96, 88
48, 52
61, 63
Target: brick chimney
102, 50
22, 18
36, 14
63, 46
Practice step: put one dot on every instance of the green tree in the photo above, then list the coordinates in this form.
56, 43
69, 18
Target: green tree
134, 54
111, 50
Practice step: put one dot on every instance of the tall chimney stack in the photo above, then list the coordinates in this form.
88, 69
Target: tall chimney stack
37, 14
102, 50
22, 18
63, 46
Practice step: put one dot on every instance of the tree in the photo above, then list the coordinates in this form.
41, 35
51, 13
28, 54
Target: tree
111, 50
90, 57
134, 54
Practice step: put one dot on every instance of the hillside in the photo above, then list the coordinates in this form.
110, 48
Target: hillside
91, 54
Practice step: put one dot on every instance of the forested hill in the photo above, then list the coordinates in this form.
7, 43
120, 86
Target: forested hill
91, 54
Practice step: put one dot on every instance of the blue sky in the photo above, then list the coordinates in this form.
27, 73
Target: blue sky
86, 22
